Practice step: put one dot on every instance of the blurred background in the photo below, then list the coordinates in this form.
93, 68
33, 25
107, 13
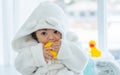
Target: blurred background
91, 19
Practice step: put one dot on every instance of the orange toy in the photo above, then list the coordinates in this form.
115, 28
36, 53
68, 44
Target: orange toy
94, 52
54, 53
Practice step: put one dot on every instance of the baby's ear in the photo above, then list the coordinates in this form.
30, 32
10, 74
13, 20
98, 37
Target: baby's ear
72, 36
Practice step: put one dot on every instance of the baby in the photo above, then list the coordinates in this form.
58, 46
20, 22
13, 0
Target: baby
48, 35
47, 23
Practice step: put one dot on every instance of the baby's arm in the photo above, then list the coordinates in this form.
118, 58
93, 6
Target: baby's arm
29, 59
72, 56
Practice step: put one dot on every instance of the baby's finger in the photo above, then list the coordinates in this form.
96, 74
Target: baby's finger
48, 57
48, 53
57, 43
56, 50
56, 47
49, 48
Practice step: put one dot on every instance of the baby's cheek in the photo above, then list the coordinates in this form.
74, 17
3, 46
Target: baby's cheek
58, 37
44, 40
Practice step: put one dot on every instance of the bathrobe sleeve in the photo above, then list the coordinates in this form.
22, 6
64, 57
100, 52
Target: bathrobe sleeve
29, 59
72, 56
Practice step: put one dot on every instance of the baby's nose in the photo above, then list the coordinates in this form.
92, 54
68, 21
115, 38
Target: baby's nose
51, 37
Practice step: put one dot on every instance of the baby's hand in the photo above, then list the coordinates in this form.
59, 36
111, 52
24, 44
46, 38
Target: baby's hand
47, 54
56, 46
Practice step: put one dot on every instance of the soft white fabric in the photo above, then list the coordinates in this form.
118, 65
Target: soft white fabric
71, 60
106, 67
72, 36
30, 61
106, 64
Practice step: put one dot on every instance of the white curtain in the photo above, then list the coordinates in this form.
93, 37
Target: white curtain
11, 18
6, 31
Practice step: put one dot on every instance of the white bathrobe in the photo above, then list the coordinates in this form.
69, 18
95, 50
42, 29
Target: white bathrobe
71, 60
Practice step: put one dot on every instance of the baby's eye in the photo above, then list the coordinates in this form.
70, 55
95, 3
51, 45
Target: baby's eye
56, 32
43, 33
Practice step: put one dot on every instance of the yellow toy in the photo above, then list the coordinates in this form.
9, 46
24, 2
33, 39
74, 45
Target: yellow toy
94, 52
54, 53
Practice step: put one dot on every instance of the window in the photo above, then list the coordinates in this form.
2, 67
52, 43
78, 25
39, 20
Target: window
83, 19
1, 38
113, 7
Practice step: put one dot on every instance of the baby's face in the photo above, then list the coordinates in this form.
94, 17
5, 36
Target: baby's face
48, 35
